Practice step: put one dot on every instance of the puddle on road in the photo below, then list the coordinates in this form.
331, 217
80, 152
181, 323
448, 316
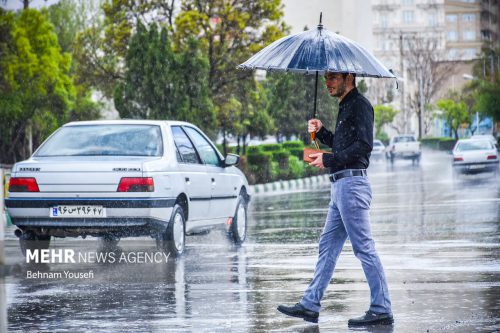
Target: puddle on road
438, 240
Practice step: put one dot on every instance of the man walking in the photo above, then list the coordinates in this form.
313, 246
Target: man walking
348, 213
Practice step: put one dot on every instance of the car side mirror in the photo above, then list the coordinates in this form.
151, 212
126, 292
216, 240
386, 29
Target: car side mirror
231, 159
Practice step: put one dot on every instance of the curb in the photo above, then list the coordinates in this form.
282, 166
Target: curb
287, 185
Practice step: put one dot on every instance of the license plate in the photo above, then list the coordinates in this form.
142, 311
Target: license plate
476, 167
77, 211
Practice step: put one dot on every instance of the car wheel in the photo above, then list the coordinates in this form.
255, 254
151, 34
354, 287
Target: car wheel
109, 242
238, 230
32, 242
173, 240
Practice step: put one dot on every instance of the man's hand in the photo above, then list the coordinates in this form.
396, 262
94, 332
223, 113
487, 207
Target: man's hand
314, 125
318, 160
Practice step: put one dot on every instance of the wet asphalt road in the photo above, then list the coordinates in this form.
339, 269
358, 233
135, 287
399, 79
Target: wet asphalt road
438, 239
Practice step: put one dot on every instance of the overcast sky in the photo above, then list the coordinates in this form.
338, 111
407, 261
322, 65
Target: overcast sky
18, 4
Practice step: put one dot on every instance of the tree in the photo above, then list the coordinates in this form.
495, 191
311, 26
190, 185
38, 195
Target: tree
37, 89
230, 32
69, 17
427, 70
384, 114
487, 99
102, 47
162, 84
455, 114
291, 100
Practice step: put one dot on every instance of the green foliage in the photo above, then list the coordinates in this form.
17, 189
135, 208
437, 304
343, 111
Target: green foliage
159, 83
297, 152
382, 136
296, 167
37, 89
251, 150
293, 144
271, 147
291, 103
384, 114
487, 99
438, 143
362, 87
455, 113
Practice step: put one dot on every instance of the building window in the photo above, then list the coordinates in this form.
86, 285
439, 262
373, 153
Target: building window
452, 35
407, 16
383, 21
470, 54
469, 35
468, 17
451, 18
408, 2
452, 54
432, 20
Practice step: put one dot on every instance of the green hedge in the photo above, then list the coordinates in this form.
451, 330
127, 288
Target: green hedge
271, 147
438, 143
251, 150
297, 152
293, 145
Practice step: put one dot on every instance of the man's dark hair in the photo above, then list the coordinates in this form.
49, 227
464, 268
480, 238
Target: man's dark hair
353, 78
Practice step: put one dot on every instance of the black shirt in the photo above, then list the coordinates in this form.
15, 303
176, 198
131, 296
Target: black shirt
352, 142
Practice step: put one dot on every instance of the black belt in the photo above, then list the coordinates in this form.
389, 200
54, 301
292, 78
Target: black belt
346, 173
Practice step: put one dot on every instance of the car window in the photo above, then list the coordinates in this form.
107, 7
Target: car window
474, 145
375, 143
104, 139
404, 139
207, 152
185, 148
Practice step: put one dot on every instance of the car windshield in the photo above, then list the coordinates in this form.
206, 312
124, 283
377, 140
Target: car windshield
404, 139
375, 143
109, 140
474, 145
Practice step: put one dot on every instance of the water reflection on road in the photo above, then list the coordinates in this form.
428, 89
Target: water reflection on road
438, 239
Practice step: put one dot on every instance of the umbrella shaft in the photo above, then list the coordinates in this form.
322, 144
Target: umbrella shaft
315, 93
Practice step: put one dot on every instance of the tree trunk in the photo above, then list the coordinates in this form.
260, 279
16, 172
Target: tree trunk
244, 151
224, 149
238, 146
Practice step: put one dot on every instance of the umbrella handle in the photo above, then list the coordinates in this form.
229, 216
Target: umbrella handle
313, 136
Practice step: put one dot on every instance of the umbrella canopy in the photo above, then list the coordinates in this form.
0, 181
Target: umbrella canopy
317, 51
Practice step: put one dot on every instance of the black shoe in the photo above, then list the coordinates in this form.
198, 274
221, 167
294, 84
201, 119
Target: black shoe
300, 312
372, 318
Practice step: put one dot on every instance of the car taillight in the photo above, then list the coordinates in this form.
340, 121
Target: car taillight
136, 184
458, 159
491, 157
23, 185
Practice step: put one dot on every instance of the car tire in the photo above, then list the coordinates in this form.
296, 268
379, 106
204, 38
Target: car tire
238, 229
173, 240
109, 242
31, 241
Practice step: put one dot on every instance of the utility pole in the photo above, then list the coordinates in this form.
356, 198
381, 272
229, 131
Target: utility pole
402, 83
421, 100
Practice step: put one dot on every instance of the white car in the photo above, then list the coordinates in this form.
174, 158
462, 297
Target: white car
474, 155
488, 137
378, 150
113, 179
404, 146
